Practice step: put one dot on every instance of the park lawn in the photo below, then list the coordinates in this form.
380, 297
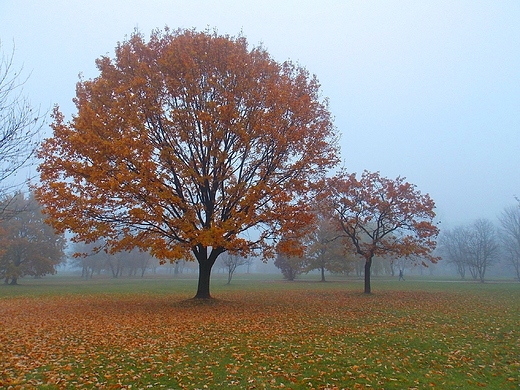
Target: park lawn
259, 334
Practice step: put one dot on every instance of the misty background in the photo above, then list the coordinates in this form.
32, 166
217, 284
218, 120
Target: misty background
427, 90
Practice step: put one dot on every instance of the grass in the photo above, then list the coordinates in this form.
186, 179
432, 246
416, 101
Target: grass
62, 333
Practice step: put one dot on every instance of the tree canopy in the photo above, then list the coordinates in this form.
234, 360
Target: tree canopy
184, 143
383, 217
28, 245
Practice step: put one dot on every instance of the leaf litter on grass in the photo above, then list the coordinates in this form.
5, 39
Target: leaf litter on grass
296, 339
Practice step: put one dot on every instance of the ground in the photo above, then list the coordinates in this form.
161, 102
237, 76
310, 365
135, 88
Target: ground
259, 334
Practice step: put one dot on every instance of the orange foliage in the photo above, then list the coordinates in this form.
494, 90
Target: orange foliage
184, 143
383, 217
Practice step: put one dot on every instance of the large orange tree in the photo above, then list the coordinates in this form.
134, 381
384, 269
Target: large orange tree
183, 144
383, 217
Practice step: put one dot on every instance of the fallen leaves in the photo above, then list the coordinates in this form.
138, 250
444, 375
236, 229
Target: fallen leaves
270, 339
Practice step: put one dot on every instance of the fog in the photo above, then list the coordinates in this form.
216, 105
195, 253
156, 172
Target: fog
428, 90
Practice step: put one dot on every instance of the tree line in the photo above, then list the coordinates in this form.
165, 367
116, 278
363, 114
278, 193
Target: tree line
194, 145
472, 249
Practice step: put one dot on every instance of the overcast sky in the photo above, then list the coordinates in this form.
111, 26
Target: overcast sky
428, 90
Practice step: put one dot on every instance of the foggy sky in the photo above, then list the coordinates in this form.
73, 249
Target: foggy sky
428, 90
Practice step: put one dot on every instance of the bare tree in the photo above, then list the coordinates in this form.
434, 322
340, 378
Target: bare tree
483, 247
510, 235
231, 263
471, 248
86, 257
19, 125
455, 248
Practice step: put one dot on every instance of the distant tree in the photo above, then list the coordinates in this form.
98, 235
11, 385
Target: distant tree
343, 262
325, 249
393, 264
94, 256
184, 143
19, 126
454, 247
483, 247
29, 245
401, 263
86, 257
474, 248
290, 266
231, 262
383, 217
140, 260
178, 266
510, 235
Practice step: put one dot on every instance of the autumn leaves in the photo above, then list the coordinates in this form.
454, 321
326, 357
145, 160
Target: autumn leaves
383, 217
322, 336
184, 145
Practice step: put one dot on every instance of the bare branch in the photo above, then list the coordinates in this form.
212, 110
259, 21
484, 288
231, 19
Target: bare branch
20, 124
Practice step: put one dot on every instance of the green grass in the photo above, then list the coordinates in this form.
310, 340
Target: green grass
187, 283
261, 332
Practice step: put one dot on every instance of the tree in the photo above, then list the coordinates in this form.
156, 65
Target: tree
455, 248
184, 143
383, 217
483, 247
231, 263
137, 260
95, 257
30, 246
19, 125
325, 249
510, 235
88, 258
290, 266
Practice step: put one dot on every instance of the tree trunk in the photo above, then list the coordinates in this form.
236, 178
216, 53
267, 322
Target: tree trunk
114, 275
231, 271
14, 281
323, 274
482, 273
204, 279
205, 264
368, 264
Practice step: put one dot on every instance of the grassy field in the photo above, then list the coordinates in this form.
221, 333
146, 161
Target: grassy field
261, 333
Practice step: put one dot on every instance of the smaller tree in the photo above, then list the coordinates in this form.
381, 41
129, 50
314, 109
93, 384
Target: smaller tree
399, 263
343, 262
290, 266
454, 247
142, 260
88, 258
483, 247
30, 246
510, 235
383, 217
325, 249
231, 262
